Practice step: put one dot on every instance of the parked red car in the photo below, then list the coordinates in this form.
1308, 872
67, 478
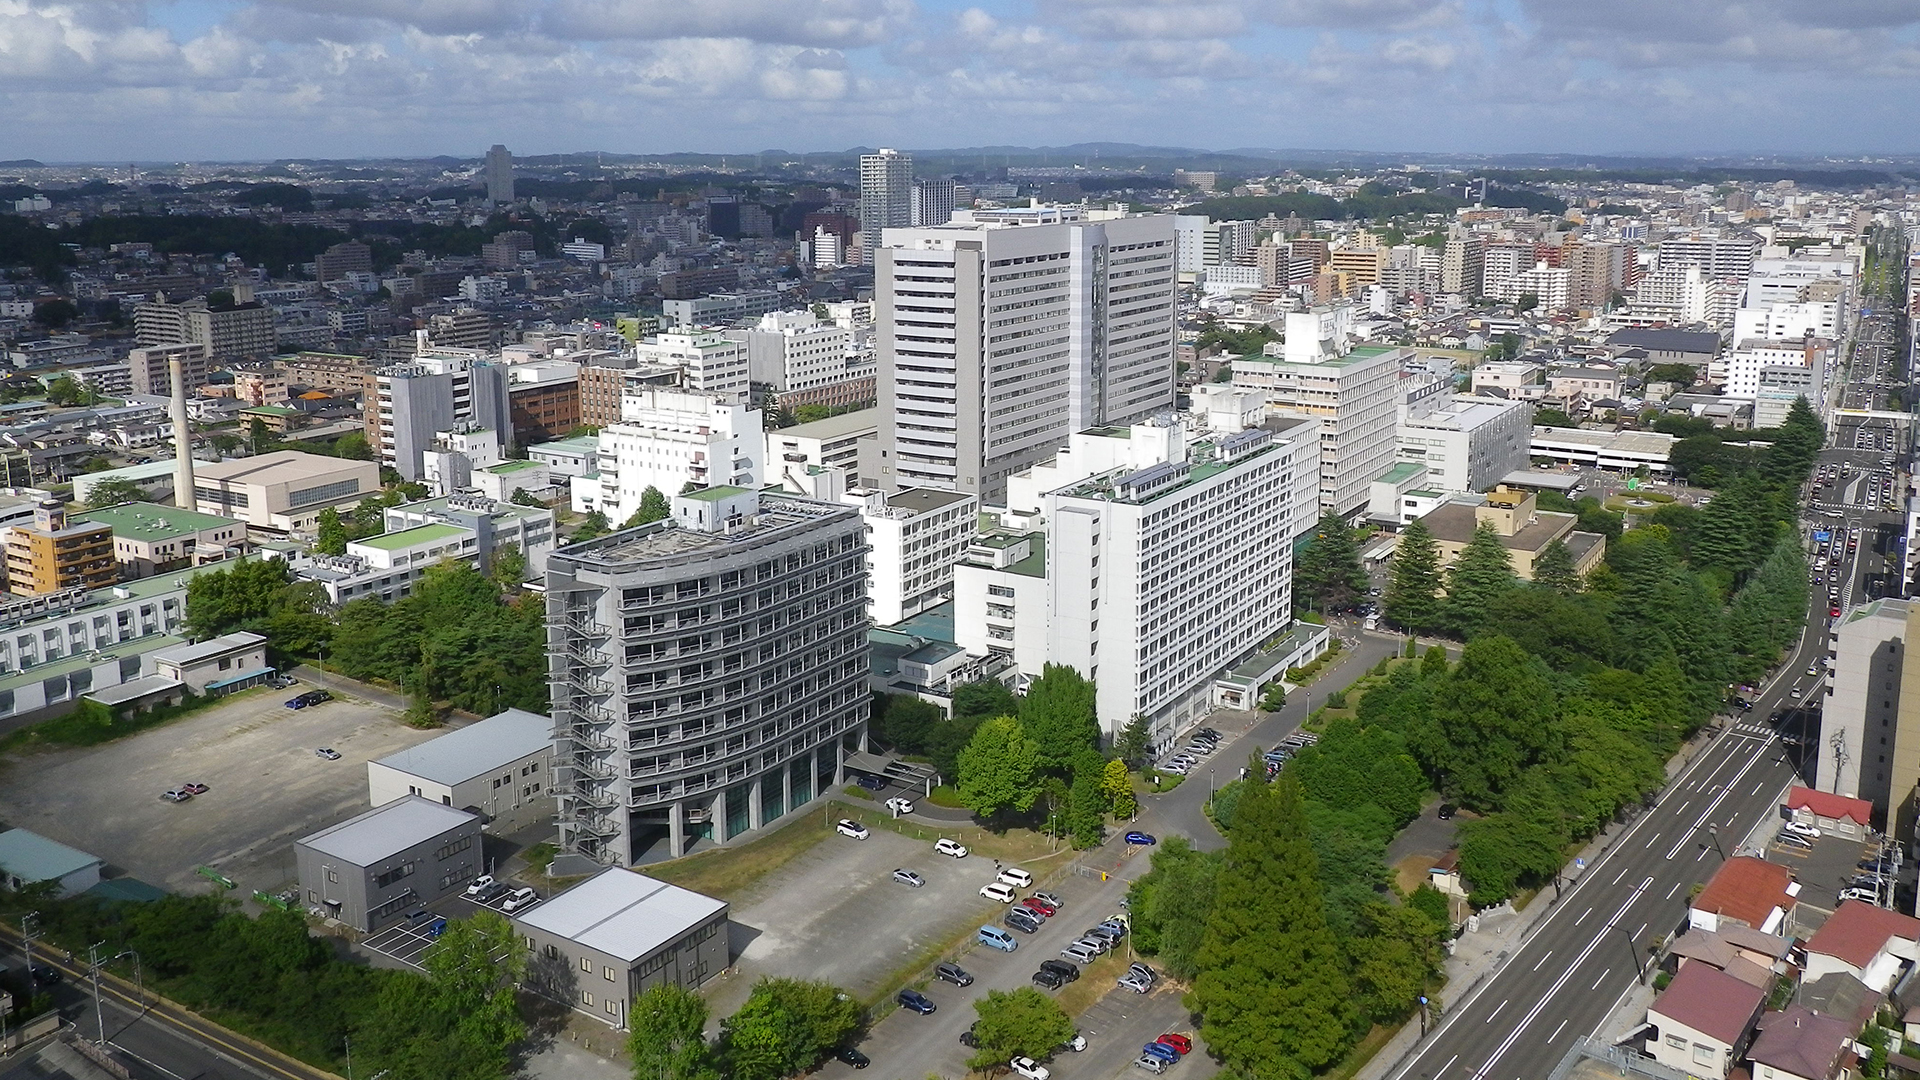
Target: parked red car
1035, 904
1178, 1042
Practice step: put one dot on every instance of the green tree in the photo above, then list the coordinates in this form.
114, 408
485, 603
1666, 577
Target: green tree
509, 567
523, 497
1273, 983
353, 446
1554, 569
114, 492
1328, 571
905, 721
983, 698
1173, 903
1116, 784
65, 390
999, 768
1087, 801
1480, 575
55, 314
1058, 714
1274, 698
1017, 1023
653, 507
260, 438
594, 524
1413, 590
332, 538
1394, 959
786, 1026
666, 1038
1132, 744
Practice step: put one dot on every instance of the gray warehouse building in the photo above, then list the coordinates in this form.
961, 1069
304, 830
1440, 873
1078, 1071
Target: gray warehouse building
500, 767
370, 869
708, 671
618, 934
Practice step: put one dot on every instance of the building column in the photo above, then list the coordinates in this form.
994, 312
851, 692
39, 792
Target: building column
753, 804
676, 830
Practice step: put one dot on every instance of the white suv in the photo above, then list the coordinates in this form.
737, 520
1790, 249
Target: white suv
997, 890
1016, 877
899, 805
950, 847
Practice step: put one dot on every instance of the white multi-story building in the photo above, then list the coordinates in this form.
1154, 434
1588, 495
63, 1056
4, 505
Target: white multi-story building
1794, 321
830, 443
792, 351
914, 538
1005, 331
1468, 443
933, 202
436, 391
420, 535
1352, 392
667, 439
709, 361
1720, 255
1742, 368
1149, 566
1552, 286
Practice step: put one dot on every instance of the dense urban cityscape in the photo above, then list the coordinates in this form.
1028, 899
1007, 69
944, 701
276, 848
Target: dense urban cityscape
600, 615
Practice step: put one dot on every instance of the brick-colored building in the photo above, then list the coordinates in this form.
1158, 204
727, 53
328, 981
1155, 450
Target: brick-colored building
51, 554
545, 411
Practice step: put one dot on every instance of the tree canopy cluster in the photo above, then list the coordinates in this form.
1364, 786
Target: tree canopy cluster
785, 1027
1327, 575
269, 979
1284, 985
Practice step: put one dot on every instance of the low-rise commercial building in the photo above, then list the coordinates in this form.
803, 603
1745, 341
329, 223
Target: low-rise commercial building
372, 868
1524, 529
501, 767
1622, 451
601, 944
27, 858
283, 491
218, 665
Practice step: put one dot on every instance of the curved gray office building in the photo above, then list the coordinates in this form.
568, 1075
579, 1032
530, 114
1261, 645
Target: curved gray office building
709, 672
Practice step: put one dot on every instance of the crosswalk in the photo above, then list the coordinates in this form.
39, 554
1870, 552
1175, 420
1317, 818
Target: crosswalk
1755, 731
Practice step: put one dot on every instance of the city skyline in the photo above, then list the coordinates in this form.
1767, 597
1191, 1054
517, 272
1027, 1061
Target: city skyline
232, 80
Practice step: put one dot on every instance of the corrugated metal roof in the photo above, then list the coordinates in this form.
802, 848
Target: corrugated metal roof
621, 913
32, 857
475, 750
381, 832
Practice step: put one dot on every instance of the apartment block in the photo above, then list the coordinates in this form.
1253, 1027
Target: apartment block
1005, 331
441, 387
54, 554
709, 672
709, 362
914, 538
1862, 734
149, 371
235, 331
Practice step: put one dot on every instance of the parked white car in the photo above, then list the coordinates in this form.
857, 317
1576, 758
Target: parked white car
950, 847
1029, 1068
1803, 829
480, 884
899, 805
851, 828
1016, 877
997, 890
521, 898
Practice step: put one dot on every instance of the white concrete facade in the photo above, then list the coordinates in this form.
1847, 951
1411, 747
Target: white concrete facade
914, 538
1469, 443
709, 361
668, 438
1354, 396
1003, 332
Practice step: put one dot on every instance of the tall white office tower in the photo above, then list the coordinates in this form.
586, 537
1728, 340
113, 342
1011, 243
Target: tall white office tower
1003, 332
933, 202
886, 194
499, 174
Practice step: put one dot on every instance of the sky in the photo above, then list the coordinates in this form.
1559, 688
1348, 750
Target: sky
125, 80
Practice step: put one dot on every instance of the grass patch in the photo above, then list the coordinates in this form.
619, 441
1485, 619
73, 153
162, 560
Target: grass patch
730, 872
540, 856
1363, 1051
946, 796
1159, 782
1095, 980
857, 792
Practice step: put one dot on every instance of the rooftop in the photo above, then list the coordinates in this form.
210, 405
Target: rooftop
1748, 890
278, 467
477, 749
269, 410
151, 521
857, 422
1856, 932
507, 467
622, 914
367, 838
405, 538
1711, 1001
924, 500
1401, 471
584, 444
665, 540
211, 648
32, 857
715, 493
1800, 1041
1828, 805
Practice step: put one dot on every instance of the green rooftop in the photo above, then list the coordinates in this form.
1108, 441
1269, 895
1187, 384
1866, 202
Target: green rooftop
584, 444
269, 410
507, 467
715, 494
419, 534
1405, 470
151, 521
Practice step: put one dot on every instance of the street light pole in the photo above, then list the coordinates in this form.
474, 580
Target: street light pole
93, 967
139, 983
1633, 951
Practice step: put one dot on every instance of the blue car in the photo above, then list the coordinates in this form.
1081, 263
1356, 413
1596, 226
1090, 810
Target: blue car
1141, 838
917, 1001
1162, 1051
297, 702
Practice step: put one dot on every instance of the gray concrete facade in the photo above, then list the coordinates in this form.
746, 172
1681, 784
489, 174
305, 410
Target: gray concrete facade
370, 870
706, 680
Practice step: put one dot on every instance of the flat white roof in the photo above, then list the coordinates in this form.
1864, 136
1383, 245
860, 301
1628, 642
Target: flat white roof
384, 831
623, 914
279, 467
475, 750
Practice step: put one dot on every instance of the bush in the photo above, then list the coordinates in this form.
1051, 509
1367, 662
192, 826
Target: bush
1337, 699
859, 792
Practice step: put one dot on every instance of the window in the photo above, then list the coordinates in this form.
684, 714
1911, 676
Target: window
586, 998
609, 974
1702, 1053
322, 493
586, 964
453, 847
613, 1008
1678, 1042
381, 881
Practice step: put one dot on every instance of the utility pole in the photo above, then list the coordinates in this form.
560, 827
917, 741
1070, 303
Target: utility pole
29, 930
1633, 951
93, 967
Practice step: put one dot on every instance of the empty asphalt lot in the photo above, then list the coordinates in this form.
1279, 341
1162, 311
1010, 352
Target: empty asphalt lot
257, 756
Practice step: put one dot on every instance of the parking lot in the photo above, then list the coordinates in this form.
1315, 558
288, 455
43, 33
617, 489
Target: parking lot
835, 913
266, 786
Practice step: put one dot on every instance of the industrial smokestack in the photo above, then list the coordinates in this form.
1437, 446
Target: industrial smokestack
182, 438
